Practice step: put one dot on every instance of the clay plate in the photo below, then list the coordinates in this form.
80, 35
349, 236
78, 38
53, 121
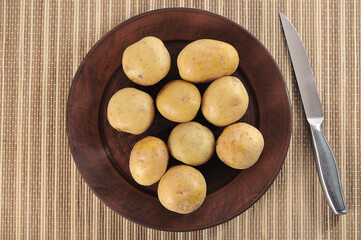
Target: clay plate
101, 153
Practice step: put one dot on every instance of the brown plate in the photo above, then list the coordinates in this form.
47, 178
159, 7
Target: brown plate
101, 153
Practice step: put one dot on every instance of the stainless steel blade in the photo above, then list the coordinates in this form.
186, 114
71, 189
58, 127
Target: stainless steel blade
303, 71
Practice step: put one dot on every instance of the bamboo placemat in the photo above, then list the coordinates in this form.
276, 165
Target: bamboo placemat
42, 194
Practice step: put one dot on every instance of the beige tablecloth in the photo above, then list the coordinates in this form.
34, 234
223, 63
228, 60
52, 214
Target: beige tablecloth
42, 194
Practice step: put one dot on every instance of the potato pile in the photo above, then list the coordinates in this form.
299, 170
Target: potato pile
183, 188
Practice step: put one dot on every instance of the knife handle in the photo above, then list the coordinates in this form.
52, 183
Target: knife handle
328, 171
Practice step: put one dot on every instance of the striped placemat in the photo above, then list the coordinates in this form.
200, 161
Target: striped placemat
42, 195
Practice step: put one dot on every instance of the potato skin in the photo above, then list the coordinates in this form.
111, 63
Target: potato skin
225, 101
240, 145
191, 143
182, 189
148, 160
130, 110
179, 101
147, 61
206, 59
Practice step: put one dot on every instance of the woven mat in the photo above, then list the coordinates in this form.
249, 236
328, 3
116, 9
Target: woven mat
42, 195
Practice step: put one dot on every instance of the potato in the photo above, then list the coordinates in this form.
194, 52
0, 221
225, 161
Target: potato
191, 143
182, 189
225, 101
240, 145
130, 110
179, 101
206, 59
148, 160
147, 61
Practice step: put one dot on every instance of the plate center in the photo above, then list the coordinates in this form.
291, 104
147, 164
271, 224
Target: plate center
118, 145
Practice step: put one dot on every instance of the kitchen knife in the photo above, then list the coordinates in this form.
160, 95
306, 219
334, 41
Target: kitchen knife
325, 160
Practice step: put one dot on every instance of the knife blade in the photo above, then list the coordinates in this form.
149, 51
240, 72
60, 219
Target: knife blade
326, 164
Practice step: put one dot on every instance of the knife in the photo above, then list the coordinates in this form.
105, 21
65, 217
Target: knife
325, 160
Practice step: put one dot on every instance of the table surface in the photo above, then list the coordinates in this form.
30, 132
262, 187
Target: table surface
42, 194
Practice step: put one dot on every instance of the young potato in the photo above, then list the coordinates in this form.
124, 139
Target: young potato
206, 59
240, 145
179, 101
148, 160
147, 61
191, 143
130, 110
225, 101
182, 189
